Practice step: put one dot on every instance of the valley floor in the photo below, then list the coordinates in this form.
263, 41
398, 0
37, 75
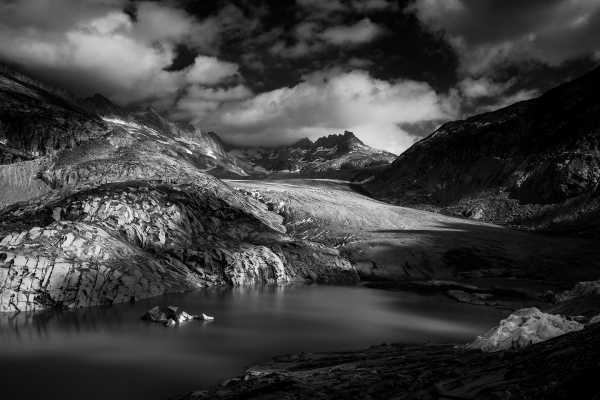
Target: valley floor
402, 247
396, 243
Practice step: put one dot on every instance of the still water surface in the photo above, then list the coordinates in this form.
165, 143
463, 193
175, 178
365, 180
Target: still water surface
109, 353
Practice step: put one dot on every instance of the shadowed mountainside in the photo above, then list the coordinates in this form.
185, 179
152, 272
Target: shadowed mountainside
534, 164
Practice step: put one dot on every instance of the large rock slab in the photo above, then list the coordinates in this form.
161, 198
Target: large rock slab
522, 328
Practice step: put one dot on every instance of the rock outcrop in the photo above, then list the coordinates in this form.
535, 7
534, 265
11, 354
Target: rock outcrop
172, 316
523, 328
534, 164
138, 239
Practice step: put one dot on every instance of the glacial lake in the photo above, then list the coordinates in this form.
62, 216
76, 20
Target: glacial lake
109, 353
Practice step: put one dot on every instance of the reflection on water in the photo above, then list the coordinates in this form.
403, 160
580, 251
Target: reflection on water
111, 353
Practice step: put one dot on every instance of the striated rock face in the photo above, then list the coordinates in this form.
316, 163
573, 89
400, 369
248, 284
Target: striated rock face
68, 264
522, 328
341, 156
20, 181
535, 163
138, 239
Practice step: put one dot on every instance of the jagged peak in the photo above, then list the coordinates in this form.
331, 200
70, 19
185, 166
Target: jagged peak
341, 140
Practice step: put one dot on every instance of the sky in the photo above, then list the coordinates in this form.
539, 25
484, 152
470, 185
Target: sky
272, 72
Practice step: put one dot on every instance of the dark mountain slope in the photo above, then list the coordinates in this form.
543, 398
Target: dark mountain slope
535, 163
35, 121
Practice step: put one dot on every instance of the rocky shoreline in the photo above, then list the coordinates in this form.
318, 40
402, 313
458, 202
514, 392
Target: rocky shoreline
530, 355
556, 369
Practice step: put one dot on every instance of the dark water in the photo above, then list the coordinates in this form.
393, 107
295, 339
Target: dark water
110, 353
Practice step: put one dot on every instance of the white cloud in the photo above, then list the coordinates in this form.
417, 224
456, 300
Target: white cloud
482, 87
210, 70
483, 94
99, 48
361, 32
198, 101
159, 22
330, 102
507, 100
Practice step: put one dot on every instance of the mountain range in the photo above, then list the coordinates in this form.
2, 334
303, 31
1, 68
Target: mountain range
342, 155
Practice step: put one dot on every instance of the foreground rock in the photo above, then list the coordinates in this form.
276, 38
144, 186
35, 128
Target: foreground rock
523, 328
560, 368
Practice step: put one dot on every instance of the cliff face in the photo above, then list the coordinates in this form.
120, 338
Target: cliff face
327, 155
128, 211
534, 163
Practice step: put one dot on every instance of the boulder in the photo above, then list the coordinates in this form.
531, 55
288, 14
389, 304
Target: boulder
522, 328
172, 316
155, 314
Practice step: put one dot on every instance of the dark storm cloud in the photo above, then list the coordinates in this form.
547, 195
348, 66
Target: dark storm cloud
490, 33
271, 72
